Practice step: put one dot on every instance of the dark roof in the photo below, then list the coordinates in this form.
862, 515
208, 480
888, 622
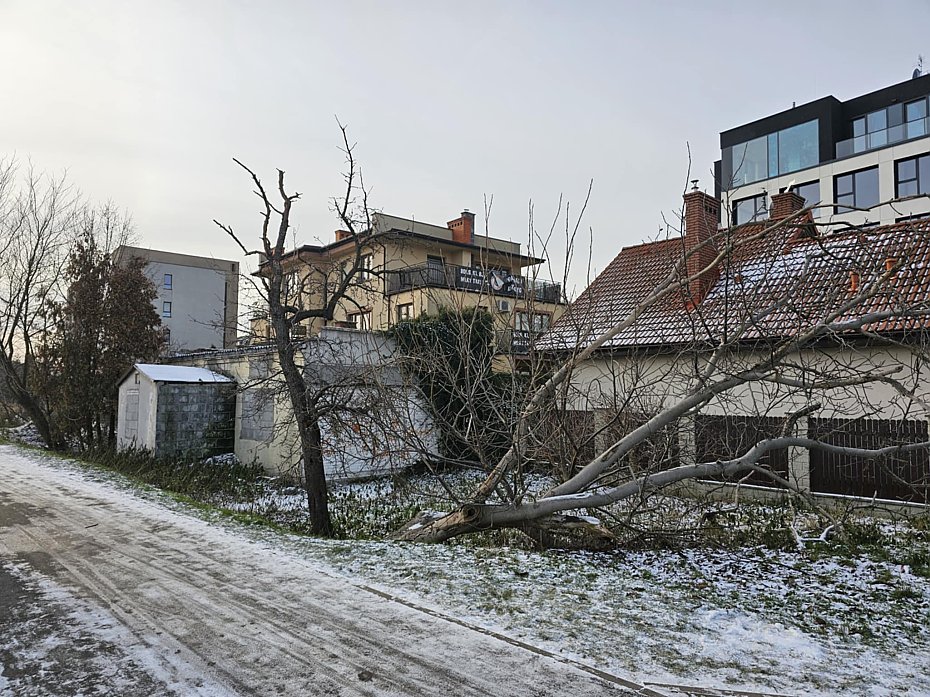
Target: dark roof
779, 280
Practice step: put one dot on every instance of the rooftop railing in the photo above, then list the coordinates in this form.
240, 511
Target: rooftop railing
477, 280
886, 136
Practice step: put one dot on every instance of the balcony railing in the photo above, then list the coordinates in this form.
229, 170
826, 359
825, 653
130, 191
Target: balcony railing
476, 280
886, 136
515, 342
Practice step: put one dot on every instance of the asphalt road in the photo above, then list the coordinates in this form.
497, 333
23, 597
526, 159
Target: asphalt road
104, 592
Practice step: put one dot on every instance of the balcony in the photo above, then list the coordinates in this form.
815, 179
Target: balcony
475, 280
887, 136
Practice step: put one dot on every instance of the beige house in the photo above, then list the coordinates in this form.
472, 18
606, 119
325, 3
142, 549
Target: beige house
410, 268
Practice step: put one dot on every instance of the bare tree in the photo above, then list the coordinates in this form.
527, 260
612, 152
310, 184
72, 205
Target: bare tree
38, 216
301, 290
105, 322
783, 315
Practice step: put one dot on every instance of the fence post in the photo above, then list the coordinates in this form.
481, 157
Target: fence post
799, 460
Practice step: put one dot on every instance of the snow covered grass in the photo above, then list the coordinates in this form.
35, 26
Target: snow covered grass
751, 618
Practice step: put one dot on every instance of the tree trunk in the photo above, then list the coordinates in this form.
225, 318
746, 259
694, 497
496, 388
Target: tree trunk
26, 400
308, 428
315, 479
556, 531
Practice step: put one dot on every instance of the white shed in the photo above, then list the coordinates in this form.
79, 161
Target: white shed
174, 410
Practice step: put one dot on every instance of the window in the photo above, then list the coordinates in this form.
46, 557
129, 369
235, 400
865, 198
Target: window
798, 148
361, 320
167, 335
168, 281
750, 162
404, 312
810, 192
856, 189
915, 116
166, 309
531, 321
912, 176
364, 267
788, 150
749, 209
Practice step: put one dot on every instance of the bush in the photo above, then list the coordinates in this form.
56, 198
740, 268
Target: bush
199, 480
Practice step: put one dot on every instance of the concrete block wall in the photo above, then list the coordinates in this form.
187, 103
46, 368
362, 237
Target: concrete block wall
195, 419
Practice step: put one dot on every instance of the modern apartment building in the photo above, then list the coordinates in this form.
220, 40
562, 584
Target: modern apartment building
866, 160
412, 268
198, 297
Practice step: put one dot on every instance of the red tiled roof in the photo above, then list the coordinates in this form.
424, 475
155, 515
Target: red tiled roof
778, 281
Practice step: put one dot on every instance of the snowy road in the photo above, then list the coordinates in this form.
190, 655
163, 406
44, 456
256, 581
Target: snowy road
143, 599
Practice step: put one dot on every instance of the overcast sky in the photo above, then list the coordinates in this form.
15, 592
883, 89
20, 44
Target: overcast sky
145, 103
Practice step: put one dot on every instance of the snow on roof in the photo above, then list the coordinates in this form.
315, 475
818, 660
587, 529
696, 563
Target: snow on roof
179, 373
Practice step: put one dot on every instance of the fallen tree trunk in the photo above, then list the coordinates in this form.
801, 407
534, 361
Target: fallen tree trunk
544, 519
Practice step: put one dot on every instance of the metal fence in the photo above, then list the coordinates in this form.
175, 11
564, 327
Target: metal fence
727, 437
902, 477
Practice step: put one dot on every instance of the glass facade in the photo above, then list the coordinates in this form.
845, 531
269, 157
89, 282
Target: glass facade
785, 151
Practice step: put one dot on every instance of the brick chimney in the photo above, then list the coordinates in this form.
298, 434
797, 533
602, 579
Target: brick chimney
463, 229
785, 204
342, 235
702, 211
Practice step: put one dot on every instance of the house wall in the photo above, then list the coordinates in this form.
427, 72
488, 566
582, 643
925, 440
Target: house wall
198, 301
275, 448
662, 378
194, 419
371, 438
643, 383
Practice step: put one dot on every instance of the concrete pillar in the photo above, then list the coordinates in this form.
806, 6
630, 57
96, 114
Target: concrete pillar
799, 460
687, 441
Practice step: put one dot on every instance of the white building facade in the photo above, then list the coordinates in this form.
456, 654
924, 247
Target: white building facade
198, 297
